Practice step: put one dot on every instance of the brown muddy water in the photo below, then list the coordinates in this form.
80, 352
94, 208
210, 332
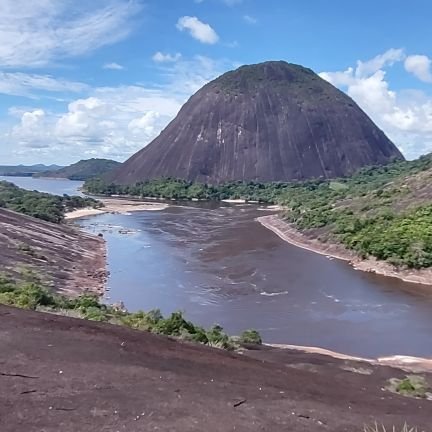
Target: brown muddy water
218, 265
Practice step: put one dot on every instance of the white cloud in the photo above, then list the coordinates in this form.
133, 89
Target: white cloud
22, 84
405, 115
420, 66
199, 30
32, 125
160, 57
189, 75
389, 58
145, 123
35, 33
113, 66
112, 122
250, 19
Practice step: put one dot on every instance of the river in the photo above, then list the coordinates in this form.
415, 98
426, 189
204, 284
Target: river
218, 265
53, 186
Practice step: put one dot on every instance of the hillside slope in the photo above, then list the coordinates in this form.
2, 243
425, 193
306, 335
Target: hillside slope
83, 170
381, 212
272, 121
71, 260
112, 378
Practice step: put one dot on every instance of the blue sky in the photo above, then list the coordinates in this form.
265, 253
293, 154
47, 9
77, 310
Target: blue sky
102, 78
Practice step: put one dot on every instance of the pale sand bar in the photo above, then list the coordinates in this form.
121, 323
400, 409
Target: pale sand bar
116, 205
407, 363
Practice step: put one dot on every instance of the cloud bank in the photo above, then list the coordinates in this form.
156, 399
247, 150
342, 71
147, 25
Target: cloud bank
405, 115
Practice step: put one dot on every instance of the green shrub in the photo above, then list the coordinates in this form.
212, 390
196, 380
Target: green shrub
95, 314
250, 337
174, 325
32, 295
218, 338
27, 295
411, 386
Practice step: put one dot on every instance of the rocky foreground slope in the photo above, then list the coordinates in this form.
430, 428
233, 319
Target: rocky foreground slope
272, 121
70, 260
68, 375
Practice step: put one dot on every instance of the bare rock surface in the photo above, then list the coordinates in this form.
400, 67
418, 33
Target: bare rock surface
69, 375
69, 260
272, 121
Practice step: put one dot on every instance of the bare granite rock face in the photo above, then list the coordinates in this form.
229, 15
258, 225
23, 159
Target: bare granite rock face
272, 121
69, 260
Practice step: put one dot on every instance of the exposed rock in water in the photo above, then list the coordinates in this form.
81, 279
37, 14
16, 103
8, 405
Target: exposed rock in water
273, 121
71, 260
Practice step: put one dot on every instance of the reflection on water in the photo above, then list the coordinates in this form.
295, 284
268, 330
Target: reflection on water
220, 266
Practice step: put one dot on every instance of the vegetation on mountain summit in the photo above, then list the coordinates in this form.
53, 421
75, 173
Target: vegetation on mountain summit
384, 212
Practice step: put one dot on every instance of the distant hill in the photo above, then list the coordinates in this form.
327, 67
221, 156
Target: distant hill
272, 121
82, 170
26, 170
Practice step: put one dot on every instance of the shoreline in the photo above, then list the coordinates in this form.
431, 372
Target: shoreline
405, 362
290, 234
116, 206
296, 238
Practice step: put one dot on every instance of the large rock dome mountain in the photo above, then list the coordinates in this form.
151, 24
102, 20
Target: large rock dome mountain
272, 121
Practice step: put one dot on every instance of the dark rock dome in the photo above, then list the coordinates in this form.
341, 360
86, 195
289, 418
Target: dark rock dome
272, 121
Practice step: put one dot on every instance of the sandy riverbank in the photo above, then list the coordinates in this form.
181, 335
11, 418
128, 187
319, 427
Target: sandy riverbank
407, 363
116, 205
291, 235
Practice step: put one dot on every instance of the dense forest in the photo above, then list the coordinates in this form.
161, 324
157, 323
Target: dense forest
51, 208
385, 212
168, 188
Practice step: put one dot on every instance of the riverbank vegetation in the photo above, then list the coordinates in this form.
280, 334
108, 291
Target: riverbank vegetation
384, 212
29, 293
168, 188
51, 208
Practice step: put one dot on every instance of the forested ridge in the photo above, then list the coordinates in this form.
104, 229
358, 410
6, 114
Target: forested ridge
82, 170
51, 208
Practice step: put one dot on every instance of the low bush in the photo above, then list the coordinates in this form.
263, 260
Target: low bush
30, 294
250, 337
